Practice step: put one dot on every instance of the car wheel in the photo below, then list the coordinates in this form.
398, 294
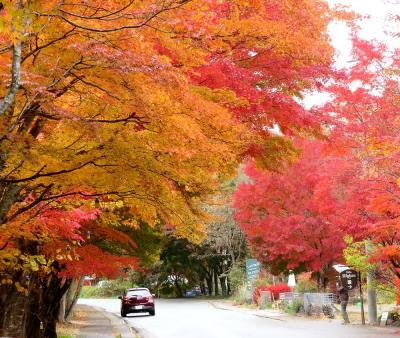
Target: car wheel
152, 312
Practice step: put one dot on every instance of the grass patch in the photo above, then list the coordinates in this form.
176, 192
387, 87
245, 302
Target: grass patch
100, 292
67, 330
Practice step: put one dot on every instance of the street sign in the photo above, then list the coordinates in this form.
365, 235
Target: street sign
252, 271
349, 279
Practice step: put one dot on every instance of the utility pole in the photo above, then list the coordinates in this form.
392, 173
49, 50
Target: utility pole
361, 298
371, 290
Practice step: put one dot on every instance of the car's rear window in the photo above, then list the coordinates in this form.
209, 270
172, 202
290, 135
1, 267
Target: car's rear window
142, 293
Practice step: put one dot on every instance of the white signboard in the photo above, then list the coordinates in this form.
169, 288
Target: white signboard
384, 318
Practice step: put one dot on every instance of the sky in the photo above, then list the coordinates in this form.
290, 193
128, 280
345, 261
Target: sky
376, 26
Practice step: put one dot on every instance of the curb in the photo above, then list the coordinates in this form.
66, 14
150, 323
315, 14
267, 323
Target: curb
268, 317
215, 306
251, 311
134, 331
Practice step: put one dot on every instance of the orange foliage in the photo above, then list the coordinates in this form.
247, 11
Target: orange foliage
145, 104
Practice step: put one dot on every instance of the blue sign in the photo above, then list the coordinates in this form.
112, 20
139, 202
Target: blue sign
252, 270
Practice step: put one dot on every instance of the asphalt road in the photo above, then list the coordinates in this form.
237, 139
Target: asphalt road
191, 318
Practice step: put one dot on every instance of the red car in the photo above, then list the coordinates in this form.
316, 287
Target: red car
137, 300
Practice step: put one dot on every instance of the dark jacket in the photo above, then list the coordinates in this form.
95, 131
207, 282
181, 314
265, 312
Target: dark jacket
344, 295
343, 292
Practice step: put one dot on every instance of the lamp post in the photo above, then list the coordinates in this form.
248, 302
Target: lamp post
371, 289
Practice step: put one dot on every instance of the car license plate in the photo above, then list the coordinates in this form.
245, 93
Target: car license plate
139, 307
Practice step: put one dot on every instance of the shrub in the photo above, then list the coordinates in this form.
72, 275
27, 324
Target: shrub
274, 289
294, 307
237, 276
239, 296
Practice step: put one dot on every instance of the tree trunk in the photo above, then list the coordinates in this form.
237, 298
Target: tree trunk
13, 306
61, 311
33, 315
216, 288
228, 285
178, 288
212, 285
209, 285
202, 288
68, 301
44, 302
223, 285
318, 281
72, 297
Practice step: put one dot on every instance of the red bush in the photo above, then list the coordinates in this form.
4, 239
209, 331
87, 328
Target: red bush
274, 289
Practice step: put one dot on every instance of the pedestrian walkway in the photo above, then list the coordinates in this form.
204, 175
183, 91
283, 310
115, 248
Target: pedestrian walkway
100, 324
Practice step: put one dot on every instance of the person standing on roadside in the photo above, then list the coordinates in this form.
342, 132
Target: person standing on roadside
344, 299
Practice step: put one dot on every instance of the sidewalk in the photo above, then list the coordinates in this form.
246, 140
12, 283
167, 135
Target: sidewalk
98, 325
95, 323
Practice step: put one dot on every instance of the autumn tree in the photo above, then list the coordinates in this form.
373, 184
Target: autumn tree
85, 117
224, 245
271, 70
366, 128
115, 101
296, 219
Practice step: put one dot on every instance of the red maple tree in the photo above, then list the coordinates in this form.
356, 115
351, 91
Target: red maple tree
296, 219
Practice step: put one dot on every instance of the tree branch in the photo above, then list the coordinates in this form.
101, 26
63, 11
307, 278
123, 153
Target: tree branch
99, 17
39, 173
32, 204
132, 116
38, 48
115, 29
